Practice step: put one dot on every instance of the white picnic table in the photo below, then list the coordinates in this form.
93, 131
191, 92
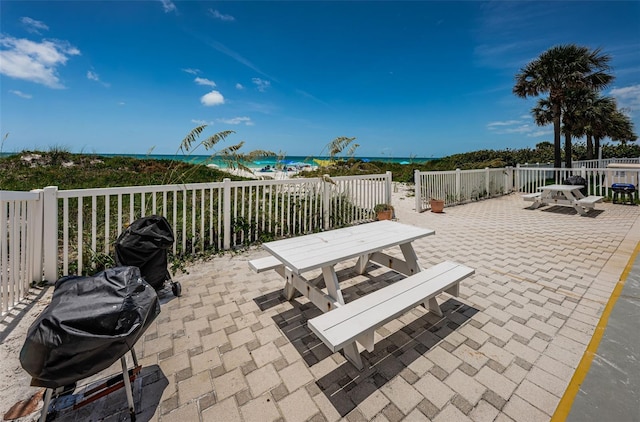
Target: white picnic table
566, 195
326, 249
356, 321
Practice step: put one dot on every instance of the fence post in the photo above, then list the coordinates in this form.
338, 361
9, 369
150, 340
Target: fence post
50, 233
226, 213
517, 178
387, 185
36, 215
487, 185
326, 201
418, 189
458, 189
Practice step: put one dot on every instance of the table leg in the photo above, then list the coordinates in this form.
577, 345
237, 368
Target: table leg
361, 265
574, 200
331, 281
288, 290
579, 208
410, 258
540, 201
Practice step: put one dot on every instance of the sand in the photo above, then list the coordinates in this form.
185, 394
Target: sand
266, 175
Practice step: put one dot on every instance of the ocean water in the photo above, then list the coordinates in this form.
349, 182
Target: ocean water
260, 163
264, 162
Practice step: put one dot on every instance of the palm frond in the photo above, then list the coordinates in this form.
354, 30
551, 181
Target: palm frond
191, 137
212, 140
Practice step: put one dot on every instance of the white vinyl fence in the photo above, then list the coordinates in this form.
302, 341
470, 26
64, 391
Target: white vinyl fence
598, 180
20, 246
604, 162
461, 186
209, 216
58, 232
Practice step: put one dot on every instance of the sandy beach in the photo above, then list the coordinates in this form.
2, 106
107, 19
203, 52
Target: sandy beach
264, 175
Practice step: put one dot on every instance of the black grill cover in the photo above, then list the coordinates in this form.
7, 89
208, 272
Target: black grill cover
89, 324
577, 181
144, 244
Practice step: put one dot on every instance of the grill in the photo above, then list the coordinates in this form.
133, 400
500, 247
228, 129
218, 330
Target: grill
90, 323
624, 190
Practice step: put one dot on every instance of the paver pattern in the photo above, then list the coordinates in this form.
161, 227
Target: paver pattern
232, 349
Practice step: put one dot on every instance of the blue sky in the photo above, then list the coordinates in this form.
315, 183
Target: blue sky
426, 79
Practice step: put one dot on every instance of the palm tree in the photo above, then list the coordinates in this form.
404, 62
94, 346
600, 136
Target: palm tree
595, 118
621, 128
556, 71
598, 117
573, 118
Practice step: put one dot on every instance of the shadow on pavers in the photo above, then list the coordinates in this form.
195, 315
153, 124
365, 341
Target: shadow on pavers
559, 209
147, 392
275, 298
346, 387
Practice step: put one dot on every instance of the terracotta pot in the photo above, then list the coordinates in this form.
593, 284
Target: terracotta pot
385, 215
437, 205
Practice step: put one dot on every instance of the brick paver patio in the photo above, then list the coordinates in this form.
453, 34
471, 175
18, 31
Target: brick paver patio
232, 349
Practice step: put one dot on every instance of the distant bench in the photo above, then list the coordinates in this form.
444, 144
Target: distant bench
590, 201
531, 196
340, 328
267, 263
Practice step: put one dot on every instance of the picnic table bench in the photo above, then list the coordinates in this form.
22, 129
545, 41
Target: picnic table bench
356, 321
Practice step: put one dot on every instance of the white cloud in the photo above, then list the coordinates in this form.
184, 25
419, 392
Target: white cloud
21, 94
121, 103
168, 6
222, 17
237, 57
520, 127
540, 133
239, 86
93, 76
505, 123
237, 121
33, 25
204, 81
34, 61
200, 122
628, 96
212, 99
261, 84
192, 71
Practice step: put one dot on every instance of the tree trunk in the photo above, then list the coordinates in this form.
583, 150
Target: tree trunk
596, 142
567, 150
589, 147
557, 155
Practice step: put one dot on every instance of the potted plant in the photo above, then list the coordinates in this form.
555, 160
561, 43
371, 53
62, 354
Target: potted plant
437, 205
384, 211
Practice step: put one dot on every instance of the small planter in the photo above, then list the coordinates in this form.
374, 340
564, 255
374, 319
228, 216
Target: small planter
384, 215
383, 211
437, 205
